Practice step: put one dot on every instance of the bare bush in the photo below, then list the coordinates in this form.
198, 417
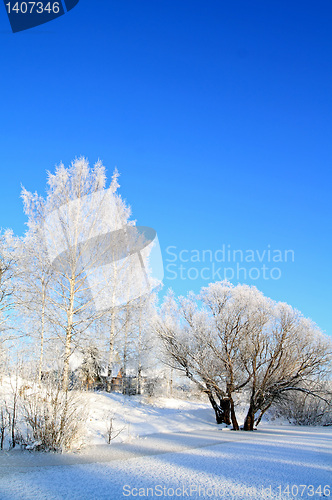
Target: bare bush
303, 408
54, 417
111, 430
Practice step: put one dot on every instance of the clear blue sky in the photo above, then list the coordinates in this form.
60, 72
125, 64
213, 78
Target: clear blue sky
217, 114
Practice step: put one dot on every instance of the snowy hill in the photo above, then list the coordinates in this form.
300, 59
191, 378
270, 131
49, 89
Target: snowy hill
170, 447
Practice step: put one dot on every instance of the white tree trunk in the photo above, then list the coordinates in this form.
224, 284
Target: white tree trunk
69, 334
42, 332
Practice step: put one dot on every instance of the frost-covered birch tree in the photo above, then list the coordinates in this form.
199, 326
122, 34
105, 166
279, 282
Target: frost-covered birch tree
33, 286
145, 343
8, 273
82, 222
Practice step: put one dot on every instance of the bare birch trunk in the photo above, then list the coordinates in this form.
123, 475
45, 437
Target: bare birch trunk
125, 352
112, 332
69, 334
139, 367
41, 354
111, 352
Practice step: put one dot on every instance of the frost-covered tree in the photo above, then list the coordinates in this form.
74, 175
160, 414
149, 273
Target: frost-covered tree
8, 272
204, 344
145, 343
135, 341
33, 287
91, 368
231, 339
81, 220
289, 355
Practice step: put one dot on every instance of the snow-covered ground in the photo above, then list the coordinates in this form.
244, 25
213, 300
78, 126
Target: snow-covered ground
138, 416
173, 449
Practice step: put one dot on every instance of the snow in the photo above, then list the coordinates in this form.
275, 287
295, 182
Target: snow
172, 448
141, 416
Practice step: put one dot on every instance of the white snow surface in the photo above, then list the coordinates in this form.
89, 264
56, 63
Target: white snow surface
172, 448
139, 416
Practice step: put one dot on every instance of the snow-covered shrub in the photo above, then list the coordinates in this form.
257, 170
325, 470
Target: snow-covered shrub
55, 418
304, 409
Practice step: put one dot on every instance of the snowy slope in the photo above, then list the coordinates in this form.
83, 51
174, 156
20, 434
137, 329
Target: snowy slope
172, 448
138, 416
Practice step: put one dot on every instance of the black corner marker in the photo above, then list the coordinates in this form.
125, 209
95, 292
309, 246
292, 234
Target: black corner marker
24, 15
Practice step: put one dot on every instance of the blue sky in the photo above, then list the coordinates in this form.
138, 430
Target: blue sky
217, 114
